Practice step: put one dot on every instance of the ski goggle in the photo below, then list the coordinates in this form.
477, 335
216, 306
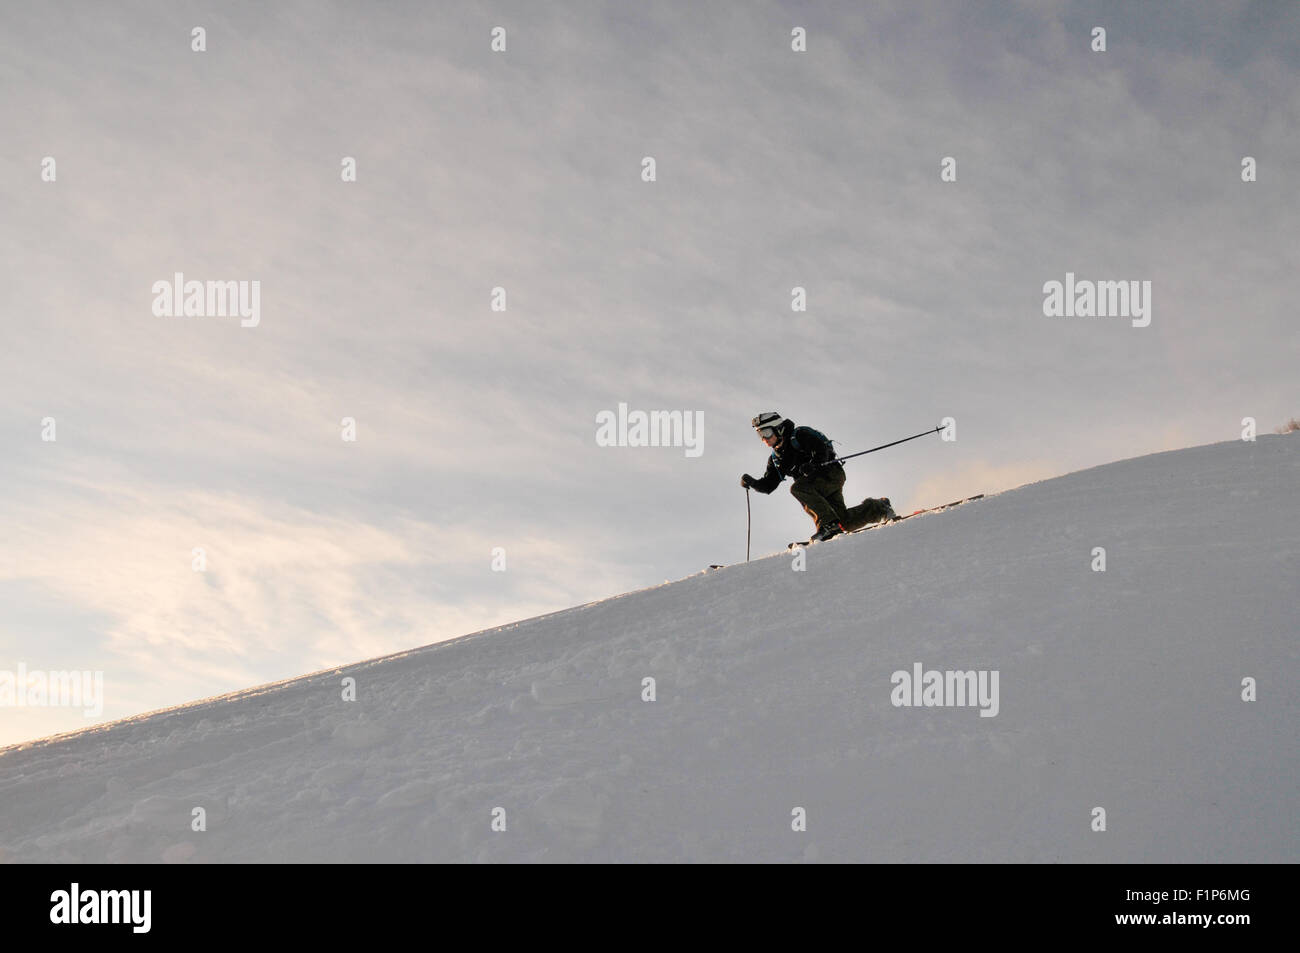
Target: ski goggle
767, 433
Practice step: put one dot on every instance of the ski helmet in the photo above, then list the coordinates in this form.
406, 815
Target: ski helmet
768, 423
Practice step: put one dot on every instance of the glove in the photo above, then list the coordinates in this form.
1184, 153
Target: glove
746, 480
809, 470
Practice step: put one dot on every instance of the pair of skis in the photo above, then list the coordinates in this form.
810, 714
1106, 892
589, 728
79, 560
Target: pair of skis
897, 519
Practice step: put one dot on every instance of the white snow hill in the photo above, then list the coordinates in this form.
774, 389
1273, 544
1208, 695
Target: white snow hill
1160, 691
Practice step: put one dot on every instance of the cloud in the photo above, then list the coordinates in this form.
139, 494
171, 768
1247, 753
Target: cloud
286, 590
476, 428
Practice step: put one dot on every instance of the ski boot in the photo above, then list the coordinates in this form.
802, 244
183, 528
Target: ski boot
825, 532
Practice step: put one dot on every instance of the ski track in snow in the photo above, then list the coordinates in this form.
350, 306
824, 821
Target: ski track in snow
1118, 689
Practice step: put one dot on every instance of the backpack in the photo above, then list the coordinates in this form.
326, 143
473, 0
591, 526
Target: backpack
794, 444
794, 441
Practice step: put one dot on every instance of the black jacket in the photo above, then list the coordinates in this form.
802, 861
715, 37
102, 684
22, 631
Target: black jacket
798, 446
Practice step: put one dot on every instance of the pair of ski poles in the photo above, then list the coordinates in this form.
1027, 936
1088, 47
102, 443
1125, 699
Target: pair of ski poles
883, 446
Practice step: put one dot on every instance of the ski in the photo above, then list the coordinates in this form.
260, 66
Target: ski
897, 519
932, 509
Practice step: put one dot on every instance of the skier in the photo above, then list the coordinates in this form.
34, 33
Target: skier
807, 455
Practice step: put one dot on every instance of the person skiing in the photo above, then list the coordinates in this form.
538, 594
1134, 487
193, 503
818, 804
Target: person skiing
808, 456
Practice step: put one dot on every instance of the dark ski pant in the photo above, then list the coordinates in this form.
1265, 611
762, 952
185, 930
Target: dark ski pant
822, 498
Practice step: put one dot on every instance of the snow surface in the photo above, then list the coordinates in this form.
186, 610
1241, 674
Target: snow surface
1118, 689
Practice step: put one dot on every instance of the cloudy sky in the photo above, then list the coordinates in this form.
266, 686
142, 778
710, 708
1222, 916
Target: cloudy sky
522, 169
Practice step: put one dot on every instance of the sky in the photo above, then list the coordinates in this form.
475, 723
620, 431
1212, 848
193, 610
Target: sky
522, 169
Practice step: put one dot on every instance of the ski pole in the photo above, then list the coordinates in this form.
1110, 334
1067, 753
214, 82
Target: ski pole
748, 524
883, 446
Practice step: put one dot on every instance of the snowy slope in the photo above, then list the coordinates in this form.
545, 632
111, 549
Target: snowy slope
1118, 689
